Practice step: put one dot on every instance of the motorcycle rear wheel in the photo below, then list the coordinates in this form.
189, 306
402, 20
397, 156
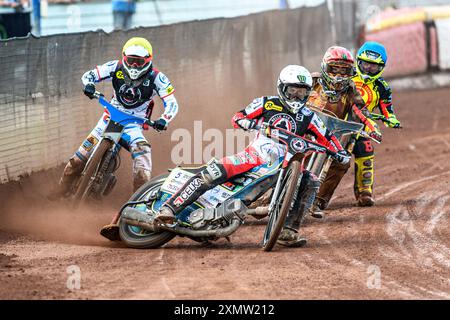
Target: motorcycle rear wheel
283, 205
135, 237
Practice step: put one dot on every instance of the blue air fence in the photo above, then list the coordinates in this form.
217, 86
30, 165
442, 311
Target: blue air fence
217, 67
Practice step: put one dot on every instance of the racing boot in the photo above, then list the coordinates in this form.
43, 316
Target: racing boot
291, 238
111, 231
70, 175
363, 185
365, 199
212, 175
317, 209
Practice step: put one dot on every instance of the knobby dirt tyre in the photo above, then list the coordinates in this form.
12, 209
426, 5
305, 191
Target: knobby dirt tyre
283, 205
90, 170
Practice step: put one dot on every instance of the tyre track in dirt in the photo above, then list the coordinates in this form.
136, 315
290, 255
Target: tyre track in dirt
405, 238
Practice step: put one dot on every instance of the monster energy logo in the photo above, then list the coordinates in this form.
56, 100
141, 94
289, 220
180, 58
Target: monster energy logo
301, 78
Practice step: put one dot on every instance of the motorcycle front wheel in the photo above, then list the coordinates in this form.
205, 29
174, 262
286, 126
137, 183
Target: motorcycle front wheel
89, 173
283, 204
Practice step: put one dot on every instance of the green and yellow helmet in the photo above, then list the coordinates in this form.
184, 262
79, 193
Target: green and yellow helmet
137, 55
370, 61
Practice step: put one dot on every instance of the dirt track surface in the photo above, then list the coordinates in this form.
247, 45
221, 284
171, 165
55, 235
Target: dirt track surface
403, 241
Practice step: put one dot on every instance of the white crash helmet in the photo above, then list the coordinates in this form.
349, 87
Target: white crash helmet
294, 86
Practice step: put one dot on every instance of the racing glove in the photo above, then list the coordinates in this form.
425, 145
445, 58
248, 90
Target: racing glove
160, 124
89, 90
342, 157
246, 124
393, 122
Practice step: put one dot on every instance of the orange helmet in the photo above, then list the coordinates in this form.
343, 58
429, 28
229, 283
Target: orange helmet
337, 68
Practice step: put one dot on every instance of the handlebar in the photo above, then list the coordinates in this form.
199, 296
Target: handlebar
331, 153
100, 96
150, 123
367, 136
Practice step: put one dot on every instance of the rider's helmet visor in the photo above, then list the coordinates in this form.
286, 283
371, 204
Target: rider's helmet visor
297, 93
339, 70
369, 68
135, 61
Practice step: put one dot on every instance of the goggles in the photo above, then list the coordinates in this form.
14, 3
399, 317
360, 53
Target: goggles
297, 93
370, 68
137, 62
340, 70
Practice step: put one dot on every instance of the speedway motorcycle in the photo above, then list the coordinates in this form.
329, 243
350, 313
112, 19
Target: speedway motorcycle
219, 212
98, 179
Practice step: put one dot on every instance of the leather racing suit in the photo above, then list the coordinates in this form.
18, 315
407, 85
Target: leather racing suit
348, 105
262, 149
376, 94
134, 98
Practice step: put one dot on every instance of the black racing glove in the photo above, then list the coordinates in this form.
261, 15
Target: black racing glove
89, 90
160, 124
342, 157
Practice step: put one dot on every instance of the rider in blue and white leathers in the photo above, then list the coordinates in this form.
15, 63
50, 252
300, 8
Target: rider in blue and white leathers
135, 84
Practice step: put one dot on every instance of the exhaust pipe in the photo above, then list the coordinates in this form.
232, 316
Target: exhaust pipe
220, 233
139, 219
258, 211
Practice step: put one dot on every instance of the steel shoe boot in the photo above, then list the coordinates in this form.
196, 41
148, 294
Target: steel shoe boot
291, 238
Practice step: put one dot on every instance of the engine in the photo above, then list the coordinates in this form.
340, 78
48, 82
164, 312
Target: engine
213, 218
